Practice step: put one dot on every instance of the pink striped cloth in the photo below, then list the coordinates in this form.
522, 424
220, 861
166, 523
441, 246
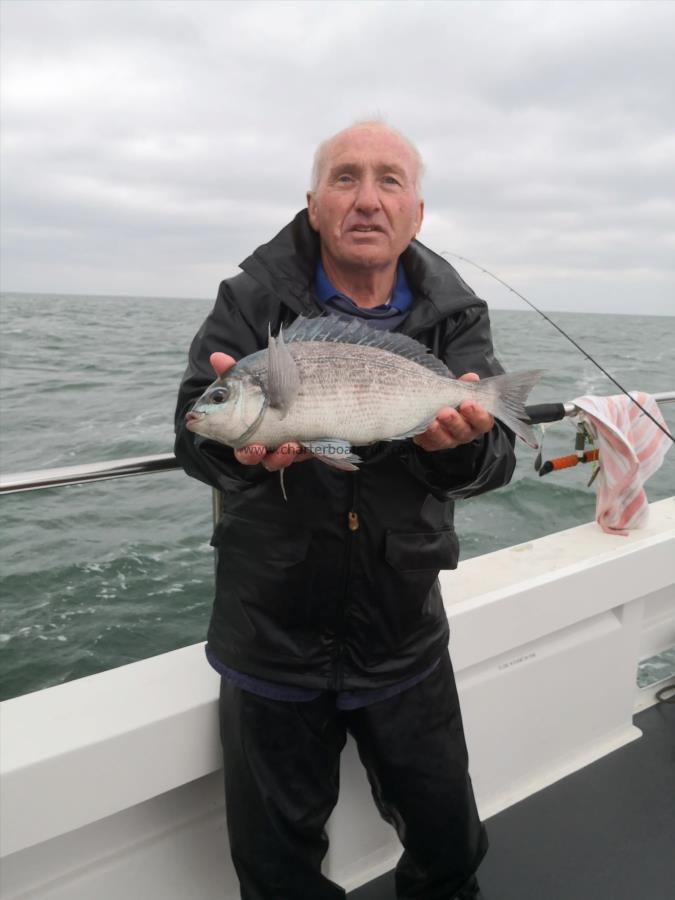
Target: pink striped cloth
631, 450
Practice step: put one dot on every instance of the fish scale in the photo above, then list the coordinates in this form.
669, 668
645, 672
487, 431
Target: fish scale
356, 394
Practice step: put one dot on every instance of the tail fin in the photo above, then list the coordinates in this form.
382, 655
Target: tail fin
508, 394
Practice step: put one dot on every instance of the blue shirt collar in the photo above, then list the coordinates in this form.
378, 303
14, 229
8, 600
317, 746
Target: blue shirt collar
401, 297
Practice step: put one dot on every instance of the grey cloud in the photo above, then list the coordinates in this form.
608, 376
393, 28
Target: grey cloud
151, 146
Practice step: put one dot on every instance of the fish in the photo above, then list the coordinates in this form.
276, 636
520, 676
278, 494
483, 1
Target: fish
332, 384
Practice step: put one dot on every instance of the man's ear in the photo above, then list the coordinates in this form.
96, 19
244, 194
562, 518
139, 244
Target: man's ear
311, 210
419, 219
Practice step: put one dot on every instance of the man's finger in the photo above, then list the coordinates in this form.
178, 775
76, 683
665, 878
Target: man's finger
454, 426
436, 436
251, 454
221, 362
284, 455
272, 460
478, 418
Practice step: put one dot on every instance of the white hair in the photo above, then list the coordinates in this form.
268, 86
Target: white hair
321, 150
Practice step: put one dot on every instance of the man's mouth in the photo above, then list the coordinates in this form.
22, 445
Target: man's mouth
365, 229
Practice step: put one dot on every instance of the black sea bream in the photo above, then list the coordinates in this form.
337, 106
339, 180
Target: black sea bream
330, 384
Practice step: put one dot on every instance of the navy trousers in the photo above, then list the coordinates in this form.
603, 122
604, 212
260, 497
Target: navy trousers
282, 779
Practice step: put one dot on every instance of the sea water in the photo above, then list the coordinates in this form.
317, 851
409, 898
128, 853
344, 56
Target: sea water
99, 575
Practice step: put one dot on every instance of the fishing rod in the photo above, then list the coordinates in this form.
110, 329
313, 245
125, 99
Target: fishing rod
554, 412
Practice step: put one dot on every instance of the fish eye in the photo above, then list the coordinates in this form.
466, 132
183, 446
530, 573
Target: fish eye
218, 395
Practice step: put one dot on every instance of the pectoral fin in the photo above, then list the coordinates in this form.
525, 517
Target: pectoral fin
283, 378
334, 452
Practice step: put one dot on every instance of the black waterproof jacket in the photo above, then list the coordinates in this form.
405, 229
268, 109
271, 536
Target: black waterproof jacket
337, 587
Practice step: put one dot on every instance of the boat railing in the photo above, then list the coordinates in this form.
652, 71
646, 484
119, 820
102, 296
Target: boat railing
101, 471
40, 479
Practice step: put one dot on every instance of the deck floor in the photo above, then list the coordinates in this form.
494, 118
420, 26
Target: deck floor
606, 832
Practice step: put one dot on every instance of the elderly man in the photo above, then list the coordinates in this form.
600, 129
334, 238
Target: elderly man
328, 617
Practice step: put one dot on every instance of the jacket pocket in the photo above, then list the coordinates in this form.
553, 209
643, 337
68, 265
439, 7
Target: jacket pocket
407, 609
260, 582
420, 551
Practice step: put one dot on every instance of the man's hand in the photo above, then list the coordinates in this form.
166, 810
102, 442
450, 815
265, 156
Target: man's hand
453, 427
254, 454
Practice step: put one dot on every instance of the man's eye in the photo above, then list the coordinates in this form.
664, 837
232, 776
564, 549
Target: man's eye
391, 179
344, 179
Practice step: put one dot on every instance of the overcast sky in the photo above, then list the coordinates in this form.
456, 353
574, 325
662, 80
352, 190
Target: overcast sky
148, 147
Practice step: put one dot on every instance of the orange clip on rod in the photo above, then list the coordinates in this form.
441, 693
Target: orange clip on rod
567, 462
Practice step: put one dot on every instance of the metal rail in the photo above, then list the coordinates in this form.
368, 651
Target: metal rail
102, 471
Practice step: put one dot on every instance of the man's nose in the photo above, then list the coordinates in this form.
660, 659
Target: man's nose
368, 198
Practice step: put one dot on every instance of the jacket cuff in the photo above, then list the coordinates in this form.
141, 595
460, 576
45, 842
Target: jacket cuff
215, 464
465, 471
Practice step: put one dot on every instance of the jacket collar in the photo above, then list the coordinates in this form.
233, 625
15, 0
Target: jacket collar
285, 266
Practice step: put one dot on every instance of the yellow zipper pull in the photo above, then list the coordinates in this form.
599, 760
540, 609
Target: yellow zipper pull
353, 520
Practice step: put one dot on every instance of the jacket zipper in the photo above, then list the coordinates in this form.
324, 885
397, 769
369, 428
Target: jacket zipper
353, 524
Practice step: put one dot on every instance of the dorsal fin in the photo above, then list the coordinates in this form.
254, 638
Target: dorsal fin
283, 380
341, 330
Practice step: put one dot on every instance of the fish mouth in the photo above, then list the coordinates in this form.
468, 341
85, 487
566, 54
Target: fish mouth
192, 418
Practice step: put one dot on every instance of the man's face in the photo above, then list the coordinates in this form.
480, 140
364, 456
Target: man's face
366, 207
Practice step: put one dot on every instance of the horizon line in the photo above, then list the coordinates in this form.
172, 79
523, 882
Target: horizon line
491, 307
